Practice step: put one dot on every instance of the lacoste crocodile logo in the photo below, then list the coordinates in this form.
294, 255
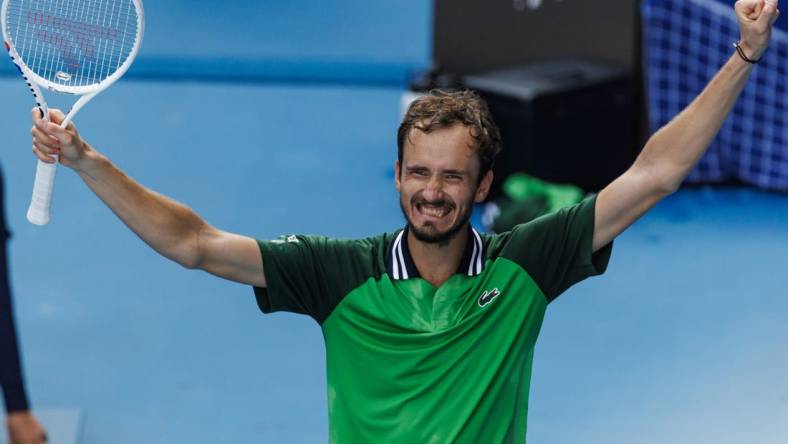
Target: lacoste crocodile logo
488, 297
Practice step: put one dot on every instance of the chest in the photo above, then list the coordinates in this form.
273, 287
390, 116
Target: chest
503, 295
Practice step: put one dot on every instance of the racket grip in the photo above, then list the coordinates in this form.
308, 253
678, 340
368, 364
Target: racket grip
40, 204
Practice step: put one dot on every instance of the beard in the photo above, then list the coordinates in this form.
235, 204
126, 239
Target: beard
428, 233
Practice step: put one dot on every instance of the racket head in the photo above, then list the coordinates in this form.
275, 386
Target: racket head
73, 46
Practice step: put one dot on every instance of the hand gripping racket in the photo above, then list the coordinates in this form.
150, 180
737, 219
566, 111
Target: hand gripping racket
77, 47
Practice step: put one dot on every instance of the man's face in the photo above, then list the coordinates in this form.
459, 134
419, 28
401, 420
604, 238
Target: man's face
438, 182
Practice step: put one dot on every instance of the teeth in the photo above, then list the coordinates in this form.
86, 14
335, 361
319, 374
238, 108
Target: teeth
434, 212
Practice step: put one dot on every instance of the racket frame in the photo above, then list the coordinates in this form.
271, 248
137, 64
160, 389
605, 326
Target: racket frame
40, 204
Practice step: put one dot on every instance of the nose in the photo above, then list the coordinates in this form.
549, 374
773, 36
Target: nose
434, 188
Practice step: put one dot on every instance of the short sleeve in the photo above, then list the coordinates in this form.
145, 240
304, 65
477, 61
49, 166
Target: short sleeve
557, 249
310, 274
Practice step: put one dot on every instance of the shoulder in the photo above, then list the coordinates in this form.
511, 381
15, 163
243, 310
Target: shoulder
573, 219
366, 253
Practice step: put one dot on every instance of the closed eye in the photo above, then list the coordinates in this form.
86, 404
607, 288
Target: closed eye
421, 172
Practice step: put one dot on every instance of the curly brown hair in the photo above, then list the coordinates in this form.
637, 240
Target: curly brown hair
439, 109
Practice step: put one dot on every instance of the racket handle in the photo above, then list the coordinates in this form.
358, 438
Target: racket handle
40, 204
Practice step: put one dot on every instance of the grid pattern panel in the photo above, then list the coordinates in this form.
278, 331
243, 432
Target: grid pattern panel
686, 43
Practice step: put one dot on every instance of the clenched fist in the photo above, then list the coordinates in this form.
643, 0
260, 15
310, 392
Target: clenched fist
756, 18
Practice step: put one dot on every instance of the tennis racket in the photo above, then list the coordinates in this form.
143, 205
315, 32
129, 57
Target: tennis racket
77, 47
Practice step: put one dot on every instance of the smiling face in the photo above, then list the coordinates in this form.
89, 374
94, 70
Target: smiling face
438, 181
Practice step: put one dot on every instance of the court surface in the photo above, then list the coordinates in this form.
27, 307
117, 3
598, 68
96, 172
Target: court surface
683, 340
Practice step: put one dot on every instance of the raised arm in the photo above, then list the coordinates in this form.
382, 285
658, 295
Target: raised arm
671, 153
169, 227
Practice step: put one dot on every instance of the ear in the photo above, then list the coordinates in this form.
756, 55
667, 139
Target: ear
397, 172
484, 187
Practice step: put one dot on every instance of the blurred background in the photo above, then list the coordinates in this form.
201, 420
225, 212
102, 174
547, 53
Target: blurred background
273, 118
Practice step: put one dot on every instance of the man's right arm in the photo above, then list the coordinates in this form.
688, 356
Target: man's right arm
169, 227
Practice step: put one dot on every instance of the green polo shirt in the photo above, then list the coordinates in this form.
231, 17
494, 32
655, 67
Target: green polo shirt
408, 362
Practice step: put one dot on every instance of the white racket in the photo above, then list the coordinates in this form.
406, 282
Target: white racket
77, 47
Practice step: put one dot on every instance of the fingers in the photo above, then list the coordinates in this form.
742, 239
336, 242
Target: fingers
756, 11
39, 152
43, 137
769, 13
44, 145
50, 132
749, 9
51, 141
57, 117
37, 114
765, 11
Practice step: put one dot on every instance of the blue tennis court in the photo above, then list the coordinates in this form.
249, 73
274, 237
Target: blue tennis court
684, 338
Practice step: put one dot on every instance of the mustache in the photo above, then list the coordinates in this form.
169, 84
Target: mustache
417, 200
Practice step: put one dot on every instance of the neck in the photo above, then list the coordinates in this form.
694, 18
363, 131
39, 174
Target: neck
437, 262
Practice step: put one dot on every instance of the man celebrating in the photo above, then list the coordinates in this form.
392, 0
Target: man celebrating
430, 330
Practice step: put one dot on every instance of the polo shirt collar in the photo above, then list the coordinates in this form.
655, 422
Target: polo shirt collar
400, 263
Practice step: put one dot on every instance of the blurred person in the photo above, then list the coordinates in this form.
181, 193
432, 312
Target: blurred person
23, 427
430, 330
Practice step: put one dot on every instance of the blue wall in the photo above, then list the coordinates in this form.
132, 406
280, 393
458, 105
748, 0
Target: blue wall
317, 41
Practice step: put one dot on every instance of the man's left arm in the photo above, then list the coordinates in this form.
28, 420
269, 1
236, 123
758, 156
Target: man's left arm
672, 152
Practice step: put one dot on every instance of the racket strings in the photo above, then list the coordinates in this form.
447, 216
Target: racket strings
73, 42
